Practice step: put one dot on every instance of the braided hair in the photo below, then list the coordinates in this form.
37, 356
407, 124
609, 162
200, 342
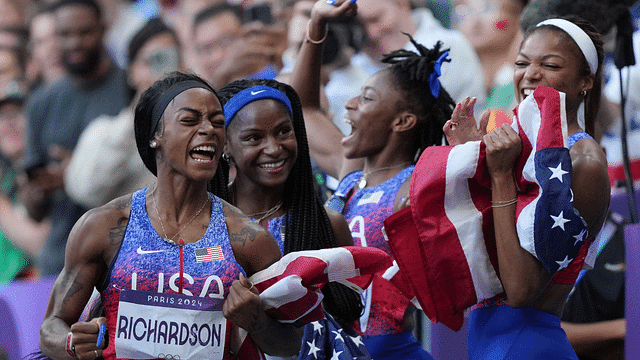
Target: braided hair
411, 73
308, 226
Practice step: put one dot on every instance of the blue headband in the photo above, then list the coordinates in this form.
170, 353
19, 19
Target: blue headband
167, 96
239, 100
434, 83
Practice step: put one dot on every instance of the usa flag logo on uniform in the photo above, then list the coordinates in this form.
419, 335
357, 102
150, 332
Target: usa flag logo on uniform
212, 253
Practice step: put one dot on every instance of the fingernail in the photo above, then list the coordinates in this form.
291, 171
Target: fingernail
352, 1
331, 2
101, 333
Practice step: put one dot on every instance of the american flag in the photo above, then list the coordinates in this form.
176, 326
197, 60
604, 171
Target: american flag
211, 253
290, 293
290, 288
444, 241
326, 339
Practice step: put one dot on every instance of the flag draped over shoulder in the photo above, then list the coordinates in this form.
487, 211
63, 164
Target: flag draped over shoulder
444, 241
290, 288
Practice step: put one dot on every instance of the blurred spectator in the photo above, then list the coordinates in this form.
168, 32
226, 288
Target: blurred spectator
45, 64
386, 20
12, 59
596, 305
105, 163
20, 237
228, 48
58, 113
125, 18
492, 28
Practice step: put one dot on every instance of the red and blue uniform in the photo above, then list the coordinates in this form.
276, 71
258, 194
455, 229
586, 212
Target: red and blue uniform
146, 262
498, 331
381, 325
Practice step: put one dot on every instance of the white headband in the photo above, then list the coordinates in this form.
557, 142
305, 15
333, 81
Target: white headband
581, 39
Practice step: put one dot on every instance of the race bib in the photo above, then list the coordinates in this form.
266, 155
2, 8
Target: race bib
169, 326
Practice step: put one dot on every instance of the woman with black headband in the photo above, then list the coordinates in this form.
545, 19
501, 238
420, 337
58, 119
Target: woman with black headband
170, 261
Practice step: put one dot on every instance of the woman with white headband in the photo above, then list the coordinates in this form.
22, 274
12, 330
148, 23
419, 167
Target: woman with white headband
524, 321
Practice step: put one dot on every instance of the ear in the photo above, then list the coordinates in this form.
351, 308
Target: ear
154, 143
404, 121
587, 83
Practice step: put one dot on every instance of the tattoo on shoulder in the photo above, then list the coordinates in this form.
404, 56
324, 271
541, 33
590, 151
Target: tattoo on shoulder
246, 233
122, 203
73, 289
116, 234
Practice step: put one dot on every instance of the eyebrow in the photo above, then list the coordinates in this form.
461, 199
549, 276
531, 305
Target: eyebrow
186, 108
544, 57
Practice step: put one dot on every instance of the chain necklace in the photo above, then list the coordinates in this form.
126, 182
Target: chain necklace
166, 238
363, 178
265, 214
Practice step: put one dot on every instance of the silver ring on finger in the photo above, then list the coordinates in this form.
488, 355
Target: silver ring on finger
96, 352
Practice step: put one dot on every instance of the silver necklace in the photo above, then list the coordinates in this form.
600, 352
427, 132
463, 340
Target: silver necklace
363, 178
171, 240
265, 214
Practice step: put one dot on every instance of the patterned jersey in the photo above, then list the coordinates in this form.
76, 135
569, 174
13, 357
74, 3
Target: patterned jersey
365, 211
146, 262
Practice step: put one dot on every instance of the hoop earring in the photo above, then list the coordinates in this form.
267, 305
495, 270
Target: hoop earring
153, 144
583, 93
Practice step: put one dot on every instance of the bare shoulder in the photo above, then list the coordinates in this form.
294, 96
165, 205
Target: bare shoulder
591, 185
100, 230
253, 246
340, 228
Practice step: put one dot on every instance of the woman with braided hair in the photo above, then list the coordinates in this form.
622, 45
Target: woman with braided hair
274, 185
399, 113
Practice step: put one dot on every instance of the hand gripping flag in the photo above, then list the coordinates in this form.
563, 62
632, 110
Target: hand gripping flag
290, 288
444, 241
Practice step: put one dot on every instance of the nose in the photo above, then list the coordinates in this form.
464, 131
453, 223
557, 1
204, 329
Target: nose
532, 72
351, 103
272, 146
206, 127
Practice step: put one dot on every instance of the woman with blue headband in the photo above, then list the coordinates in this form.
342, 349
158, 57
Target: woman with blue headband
273, 182
400, 112
523, 322
170, 261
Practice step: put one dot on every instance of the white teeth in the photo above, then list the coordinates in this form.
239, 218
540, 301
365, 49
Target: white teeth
271, 166
205, 148
527, 92
347, 121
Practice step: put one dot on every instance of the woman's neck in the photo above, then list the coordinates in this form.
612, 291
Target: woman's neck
255, 199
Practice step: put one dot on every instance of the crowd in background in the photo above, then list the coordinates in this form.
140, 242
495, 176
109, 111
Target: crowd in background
69, 81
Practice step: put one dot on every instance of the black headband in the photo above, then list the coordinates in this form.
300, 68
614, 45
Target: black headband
166, 98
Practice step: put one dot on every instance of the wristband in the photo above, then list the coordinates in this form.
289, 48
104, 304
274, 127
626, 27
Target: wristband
71, 350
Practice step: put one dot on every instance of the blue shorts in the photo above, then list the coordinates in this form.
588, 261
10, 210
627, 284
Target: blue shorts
395, 346
502, 332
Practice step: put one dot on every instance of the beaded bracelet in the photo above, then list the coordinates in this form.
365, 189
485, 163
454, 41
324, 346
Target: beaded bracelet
71, 350
316, 42
499, 204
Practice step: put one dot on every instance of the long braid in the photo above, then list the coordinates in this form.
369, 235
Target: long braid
412, 72
308, 226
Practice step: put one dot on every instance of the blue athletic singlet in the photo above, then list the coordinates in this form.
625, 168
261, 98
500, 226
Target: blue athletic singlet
381, 324
498, 331
146, 262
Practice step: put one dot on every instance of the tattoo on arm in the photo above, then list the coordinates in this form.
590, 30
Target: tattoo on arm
73, 289
243, 235
117, 232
